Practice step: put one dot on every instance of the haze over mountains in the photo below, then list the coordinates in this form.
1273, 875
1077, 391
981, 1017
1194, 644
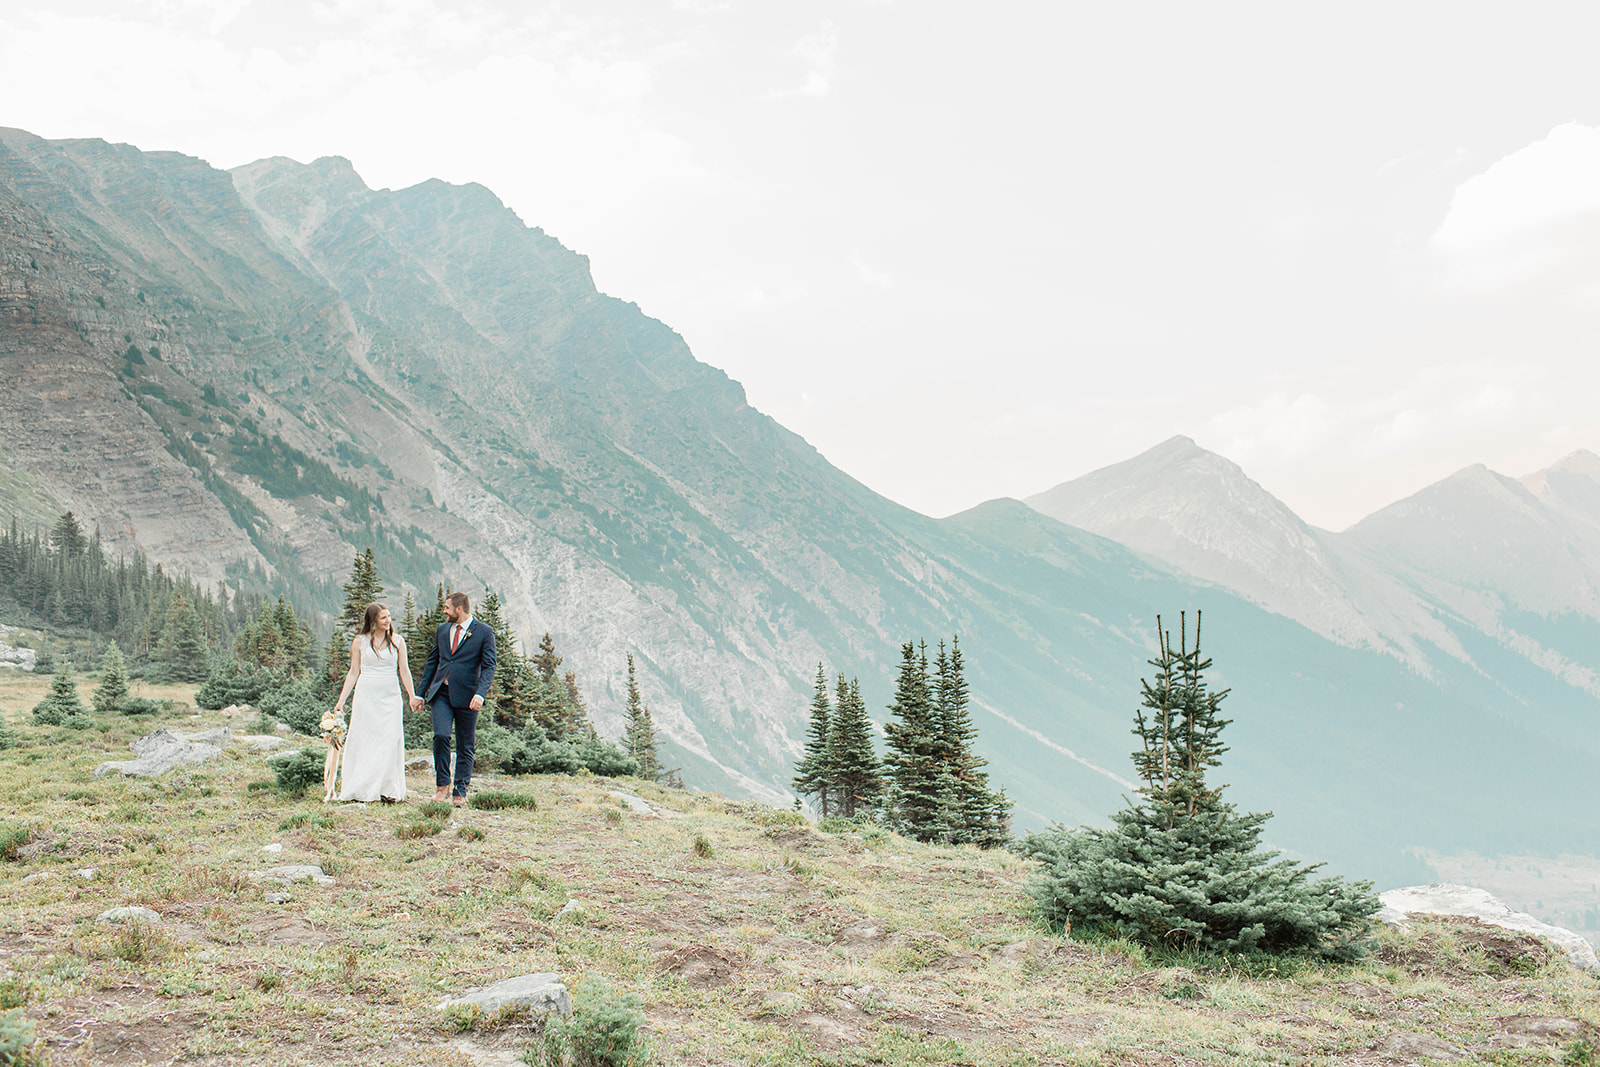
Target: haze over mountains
1516, 560
260, 371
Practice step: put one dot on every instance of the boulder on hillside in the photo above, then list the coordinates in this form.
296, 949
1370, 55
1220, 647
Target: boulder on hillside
165, 750
1443, 898
536, 994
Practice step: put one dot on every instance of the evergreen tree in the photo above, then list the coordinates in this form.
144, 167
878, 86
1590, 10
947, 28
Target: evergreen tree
66, 537
61, 706
293, 635
507, 700
857, 776
8, 736
578, 722
408, 619
547, 661
420, 638
978, 815
639, 738
813, 774
112, 692
182, 651
915, 752
362, 589
1180, 867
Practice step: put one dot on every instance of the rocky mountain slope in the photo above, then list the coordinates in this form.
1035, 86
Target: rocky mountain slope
259, 372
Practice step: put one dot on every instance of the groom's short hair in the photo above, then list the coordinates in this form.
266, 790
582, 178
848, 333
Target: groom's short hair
460, 601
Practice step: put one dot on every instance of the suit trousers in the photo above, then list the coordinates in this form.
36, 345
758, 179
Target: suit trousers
465, 722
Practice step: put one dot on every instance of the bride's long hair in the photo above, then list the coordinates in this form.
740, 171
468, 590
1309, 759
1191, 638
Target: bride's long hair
369, 627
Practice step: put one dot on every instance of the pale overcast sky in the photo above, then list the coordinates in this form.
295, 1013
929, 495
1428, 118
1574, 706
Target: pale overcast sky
972, 250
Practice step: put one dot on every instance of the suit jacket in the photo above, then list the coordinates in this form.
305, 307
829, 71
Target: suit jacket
469, 669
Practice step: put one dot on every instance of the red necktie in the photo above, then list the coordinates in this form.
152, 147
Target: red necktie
455, 640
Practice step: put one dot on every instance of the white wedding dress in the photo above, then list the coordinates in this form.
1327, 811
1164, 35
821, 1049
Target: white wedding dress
375, 747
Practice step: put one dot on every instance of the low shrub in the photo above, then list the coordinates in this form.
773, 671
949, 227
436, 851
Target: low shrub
437, 809
499, 801
12, 838
535, 753
18, 1040
470, 833
295, 705
701, 846
295, 773
603, 1031
143, 706
234, 684
423, 828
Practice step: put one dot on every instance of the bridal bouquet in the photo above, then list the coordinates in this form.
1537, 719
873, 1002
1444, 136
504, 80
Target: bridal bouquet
333, 729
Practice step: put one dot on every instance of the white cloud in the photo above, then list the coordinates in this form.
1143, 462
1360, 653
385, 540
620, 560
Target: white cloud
1526, 194
819, 51
870, 275
1436, 404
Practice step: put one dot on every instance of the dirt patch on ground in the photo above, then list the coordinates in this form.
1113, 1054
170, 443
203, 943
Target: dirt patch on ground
121, 1027
287, 930
938, 1024
701, 966
846, 1025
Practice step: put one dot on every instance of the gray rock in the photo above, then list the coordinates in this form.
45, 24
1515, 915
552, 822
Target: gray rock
38, 876
295, 872
159, 753
1531, 1031
417, 763
129, 915
222, 736
88, 874
640, 806
276, 898
262, 742
538, 994
274, 847
571, 907
288, 753
282, 728
1409, 1048
1443, 898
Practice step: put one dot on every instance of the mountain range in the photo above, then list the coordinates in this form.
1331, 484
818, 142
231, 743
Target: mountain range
251, 374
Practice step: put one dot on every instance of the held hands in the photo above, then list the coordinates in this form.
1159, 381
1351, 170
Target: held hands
416, 703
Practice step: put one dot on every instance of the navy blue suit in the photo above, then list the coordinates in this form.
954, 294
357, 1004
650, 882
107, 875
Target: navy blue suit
449, 682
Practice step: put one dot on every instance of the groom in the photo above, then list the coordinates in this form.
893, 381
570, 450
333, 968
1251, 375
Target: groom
455, 682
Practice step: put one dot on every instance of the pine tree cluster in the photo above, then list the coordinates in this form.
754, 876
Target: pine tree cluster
938, 789
931, 784
167, 625
526, 695
1180, 867
839, 767
639, 734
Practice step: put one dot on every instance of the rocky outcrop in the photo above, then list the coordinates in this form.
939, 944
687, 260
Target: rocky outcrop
1443, 898
164, 751
534, 994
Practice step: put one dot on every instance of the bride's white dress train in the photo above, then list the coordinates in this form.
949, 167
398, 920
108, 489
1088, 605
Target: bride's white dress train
375, 746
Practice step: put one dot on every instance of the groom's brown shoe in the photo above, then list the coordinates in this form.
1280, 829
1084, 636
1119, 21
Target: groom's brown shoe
459, 802
442, 793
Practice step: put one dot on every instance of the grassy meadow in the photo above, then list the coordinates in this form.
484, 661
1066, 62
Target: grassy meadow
746, 935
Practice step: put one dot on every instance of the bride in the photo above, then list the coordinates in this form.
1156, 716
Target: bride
375, 747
